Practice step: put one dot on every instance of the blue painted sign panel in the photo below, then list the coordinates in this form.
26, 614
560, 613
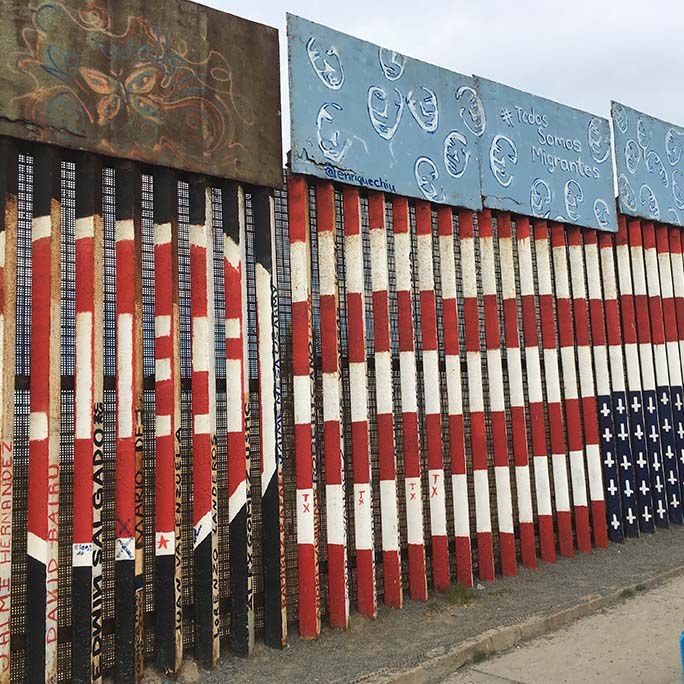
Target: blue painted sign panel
543, 159
649, 155
368, 116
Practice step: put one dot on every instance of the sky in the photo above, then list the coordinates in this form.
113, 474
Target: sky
581, 53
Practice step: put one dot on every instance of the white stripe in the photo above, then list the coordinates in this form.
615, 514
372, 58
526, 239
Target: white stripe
354, 264
503, 499
647, 371
37, 548
162, 426
202, 343
2, 249
561, 273
653, 281
543, 267
431, 381
234, 396
237, 500
233, 329
487, 268
84, 375
560, 482
402, 257
577, 270
459, 484
363, 517
124, 230
453, 381
522, 482
638, 271
623, 270
168, 547
378, 246
198, 235
677, 274
202, 530
475, 382
602, 375
579, 487
534, 385
594, 472
414, 510
617, 374
389, 515
525, 259
665, 275
84, 228
407, 367
673, 362
383, 378
552, 375
507, 269
515, 379
437, 503
231, 252
447, 266
359, 392
301, 385
299, 270
335, 514
496, 385
593, 274
41, 227
661, 364
202, 424
327, 266
632, 364
541, 485
162, 233
124, 366
82, 555
38, 426
162, 326
331, 397
468, 269
483, 519
426, 278
162, 369
569, 372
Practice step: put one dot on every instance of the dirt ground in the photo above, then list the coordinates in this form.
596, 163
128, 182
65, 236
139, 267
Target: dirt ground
401, 639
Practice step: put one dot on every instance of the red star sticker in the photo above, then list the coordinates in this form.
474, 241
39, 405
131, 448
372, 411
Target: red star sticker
163, 542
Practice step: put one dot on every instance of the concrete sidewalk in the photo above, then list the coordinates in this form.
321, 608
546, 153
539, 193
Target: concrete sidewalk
633, 642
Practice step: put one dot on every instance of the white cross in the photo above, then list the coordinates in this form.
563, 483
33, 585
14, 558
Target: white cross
678, 401
674, 503
625, 462
647, 515
636, 405
643, 488
661, 510
628, 489
651, 406
607, 435
605, 411
669, 453
656, 462
612, 488
614, 522
654, 434
609, 460
664, 399
621, 407
680, 430
681, 458
666, 425
630, 516
671, 478
658, 484
623, 434
641, 461
638, 433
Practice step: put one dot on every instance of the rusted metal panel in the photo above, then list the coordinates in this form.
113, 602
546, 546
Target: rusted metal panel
167, 82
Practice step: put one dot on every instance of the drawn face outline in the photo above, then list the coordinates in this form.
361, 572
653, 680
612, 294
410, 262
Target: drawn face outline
456, 154
574, 196
674, 146
426, 174
678, 188
328, 68
598, 139
632, 155
644, 133
626, 193
602, 213
502, 153
472, 113
385, 115
655, 165
673, 217
540, 198
392, 63
426, 110
620, 117
649, 201
329, 142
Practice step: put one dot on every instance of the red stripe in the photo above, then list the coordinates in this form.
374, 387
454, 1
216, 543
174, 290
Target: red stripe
328, 313
381, 332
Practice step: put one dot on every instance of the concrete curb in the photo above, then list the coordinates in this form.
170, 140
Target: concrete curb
436, 669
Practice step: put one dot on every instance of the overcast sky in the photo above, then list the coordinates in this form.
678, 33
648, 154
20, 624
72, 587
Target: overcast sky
579, 52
